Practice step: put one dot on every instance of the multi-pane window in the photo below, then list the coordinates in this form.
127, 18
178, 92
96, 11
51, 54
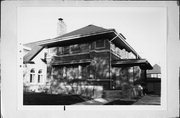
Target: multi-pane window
66, 49
100, 44
72, 72
60, 51
154, 75
84, 47
75, 48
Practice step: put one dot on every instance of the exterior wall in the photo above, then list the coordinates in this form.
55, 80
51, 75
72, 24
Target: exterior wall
126, 78
90, 77
64, 75
96, 73
154, 87
100, 69
38, 65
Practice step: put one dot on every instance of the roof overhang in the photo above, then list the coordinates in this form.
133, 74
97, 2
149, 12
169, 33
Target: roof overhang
118, 40
75, 39
142, 63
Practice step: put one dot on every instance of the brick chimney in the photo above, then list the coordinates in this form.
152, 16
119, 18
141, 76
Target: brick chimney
61, 27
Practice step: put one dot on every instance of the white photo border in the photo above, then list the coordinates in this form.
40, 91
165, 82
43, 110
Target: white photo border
162, 110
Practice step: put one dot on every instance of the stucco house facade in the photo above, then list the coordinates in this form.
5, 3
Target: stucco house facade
91, 59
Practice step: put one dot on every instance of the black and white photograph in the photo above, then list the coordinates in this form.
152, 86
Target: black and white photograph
89, 59
92, 55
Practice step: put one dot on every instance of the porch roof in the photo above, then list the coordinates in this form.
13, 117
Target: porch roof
142, 63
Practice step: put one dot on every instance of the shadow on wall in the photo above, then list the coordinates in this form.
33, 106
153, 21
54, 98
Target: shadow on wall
75, 81
128, 79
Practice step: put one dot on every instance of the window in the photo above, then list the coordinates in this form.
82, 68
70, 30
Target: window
60, 51
66, 50
159, 75
40, 76
72, 72
32, 76
100, 44
154, 75
75, 48
80, 72
52, 51
84, 47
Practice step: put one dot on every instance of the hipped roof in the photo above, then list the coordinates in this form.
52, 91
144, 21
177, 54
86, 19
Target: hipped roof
85, 34
87, 30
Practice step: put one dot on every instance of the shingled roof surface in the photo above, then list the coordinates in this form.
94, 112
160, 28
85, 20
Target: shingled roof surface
156, 69
87, 30
37, 46
90, 29
31, 54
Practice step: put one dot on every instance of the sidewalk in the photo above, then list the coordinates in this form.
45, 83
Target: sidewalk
145, 100
97, 101
108, 101
149, 100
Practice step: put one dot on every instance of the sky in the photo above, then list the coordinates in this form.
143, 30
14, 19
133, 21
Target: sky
145, 28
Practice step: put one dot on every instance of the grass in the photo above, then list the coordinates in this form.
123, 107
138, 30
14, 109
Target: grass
51, 99
121, 102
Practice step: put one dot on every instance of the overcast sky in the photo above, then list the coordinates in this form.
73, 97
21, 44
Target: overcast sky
143, 27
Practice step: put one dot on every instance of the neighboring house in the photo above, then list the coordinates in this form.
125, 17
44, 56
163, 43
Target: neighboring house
90, 56
35, 71
153, 81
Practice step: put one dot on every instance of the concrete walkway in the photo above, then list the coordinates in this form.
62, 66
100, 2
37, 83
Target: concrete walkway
97, 101
145, 100
149, 100
107, 101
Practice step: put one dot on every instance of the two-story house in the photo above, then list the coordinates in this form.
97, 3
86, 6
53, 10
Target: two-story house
90, 56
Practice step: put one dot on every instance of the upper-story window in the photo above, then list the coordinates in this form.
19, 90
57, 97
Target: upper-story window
84, 47
32, 76
66, 50
75, 48
100, 44
60, 51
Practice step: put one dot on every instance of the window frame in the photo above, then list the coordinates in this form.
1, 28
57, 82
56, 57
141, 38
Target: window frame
40, 76
103, 44
32, 76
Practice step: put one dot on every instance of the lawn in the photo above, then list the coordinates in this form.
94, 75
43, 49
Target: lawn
121, 102
51, 99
